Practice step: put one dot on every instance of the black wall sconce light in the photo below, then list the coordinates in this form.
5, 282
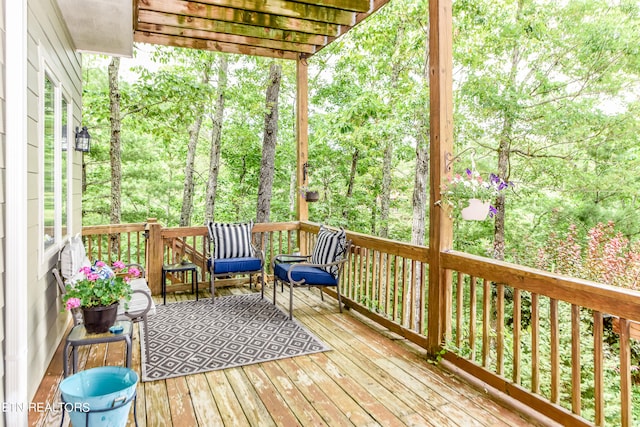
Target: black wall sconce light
83, 139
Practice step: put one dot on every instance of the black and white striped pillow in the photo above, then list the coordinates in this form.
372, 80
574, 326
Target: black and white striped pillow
330, 247
231, 240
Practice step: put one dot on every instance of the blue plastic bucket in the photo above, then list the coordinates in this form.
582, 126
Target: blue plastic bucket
99, 396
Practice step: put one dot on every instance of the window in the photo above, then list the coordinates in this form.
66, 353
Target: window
64, 166
55, 165
49, 165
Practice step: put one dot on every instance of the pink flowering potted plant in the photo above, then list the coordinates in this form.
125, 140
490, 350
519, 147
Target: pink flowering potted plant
97, 291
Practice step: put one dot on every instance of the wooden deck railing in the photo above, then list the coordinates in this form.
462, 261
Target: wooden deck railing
385, 280
152, 245
540, 338
522, 331
111, 243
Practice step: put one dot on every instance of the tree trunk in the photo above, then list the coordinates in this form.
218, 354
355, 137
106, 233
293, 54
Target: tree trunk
216, 132
420, 193
269, 140
421, 179
385, 196
387, 160
352, 178
114, 151
504, 150
194, 134
187, 192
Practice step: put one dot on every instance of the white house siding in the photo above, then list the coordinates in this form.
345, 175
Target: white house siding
48, 42
3, 205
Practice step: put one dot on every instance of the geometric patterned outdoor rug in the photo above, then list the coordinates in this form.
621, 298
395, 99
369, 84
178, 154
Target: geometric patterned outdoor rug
190, 337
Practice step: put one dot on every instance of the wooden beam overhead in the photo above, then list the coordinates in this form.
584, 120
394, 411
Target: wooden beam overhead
354, 5
165, 40
199, 10
227, 38
292, 9
274, 28
160, 18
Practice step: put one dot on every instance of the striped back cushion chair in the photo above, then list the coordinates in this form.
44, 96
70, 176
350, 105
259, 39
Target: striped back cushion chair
321, 268
233, 253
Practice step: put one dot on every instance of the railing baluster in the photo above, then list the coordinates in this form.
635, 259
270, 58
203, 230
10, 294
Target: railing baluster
423, 297
405, 293
387, 295
128, 247
459, 308
396, 276
353, 262
555, 355
363, 275
448, 305
517, 325
413, 297
500, 330
375, 280
598, 368
346, 274
364, 287
625, 373
486, 322
472, 317
576, 366
535, 344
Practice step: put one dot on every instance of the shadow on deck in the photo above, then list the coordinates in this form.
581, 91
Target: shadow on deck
370, 377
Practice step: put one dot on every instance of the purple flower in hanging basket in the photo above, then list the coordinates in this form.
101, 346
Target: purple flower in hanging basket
456, 191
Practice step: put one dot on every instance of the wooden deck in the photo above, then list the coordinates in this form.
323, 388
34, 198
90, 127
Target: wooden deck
370, 377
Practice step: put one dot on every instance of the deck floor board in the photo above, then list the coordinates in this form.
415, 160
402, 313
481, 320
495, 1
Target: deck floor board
370, 377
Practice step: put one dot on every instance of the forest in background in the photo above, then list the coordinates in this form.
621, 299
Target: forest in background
546, 94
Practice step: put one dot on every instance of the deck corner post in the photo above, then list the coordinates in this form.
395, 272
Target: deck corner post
154, 255
441, 144
302, 135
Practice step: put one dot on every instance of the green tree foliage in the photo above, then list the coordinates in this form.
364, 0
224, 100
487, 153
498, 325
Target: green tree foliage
547, 84
563, 75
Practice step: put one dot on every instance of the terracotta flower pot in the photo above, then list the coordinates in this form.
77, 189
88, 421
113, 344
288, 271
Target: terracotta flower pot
99, 319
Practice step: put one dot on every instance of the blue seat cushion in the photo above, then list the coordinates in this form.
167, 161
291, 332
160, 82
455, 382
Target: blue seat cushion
311, 275
236, 265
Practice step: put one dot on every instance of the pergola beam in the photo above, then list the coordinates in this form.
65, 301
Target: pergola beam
199, 10
310, 11
160, 18
285, 28
227, 38
354, 5
211, 45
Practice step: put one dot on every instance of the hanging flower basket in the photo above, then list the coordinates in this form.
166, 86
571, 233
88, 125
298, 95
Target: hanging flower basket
471, 195
312, 196
476, 211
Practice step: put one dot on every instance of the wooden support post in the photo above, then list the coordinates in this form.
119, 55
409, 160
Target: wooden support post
155, 252
302, 138
441, 140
